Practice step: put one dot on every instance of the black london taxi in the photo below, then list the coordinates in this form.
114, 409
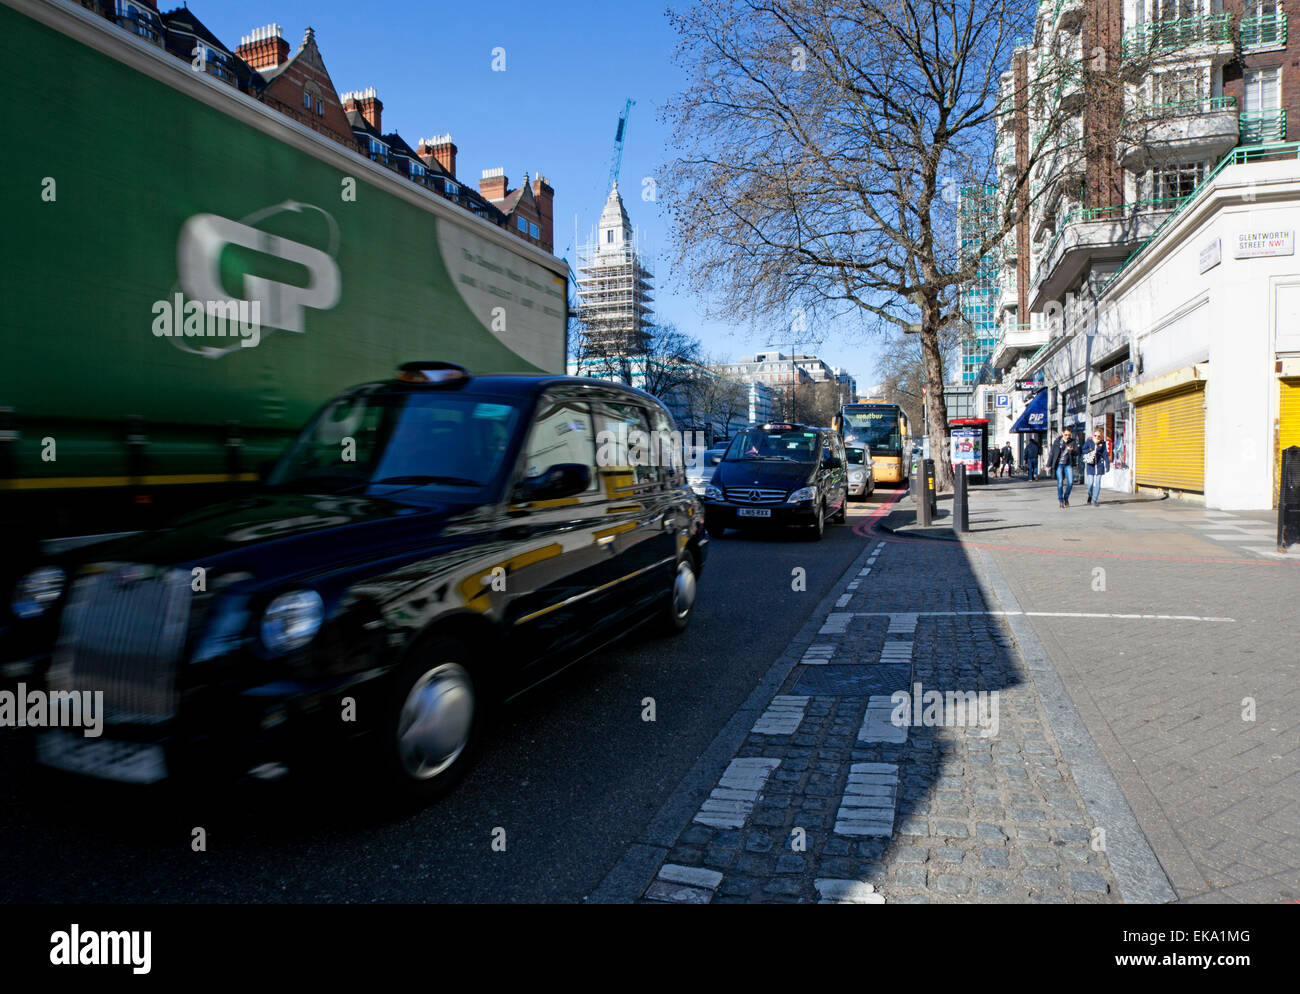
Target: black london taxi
779, 475
428, 545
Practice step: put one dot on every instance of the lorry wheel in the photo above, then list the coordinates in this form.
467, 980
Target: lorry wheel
431, 723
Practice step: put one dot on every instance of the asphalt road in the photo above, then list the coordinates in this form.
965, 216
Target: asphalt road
570, 771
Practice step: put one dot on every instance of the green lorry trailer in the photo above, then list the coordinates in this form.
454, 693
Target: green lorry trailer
188, 274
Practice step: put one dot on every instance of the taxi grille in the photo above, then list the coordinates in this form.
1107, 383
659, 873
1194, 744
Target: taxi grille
753, 495
122, 632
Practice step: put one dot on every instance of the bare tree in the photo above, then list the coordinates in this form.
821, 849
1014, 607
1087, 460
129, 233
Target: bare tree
900, 368
821, 148
670, 360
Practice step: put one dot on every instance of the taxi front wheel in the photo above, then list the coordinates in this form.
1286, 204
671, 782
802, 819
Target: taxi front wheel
432, 721
681, 597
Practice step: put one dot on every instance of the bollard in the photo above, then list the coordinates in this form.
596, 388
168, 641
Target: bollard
960, 507
1288, 499
929, 485
921, 495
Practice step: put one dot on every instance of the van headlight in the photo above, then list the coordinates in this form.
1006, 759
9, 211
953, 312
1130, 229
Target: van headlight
292, 620
712, 493
806, 494
36, 591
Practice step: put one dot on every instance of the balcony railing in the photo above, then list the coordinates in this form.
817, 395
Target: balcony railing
1168, 36
1263, 30
1118, 212
1237, 157
1180, 108
1261, 126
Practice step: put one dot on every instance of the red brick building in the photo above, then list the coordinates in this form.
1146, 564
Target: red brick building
299, 86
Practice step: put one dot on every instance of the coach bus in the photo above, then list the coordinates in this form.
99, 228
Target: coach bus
882, 428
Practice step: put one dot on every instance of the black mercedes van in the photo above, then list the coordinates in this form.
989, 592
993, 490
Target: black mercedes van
779, 475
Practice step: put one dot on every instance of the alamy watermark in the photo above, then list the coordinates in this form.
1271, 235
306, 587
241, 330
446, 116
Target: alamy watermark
954, 709
23, 708
181, 318
634, 447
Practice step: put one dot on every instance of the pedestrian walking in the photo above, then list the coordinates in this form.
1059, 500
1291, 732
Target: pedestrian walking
1060, 461
995, 461
1008, 459
1095, 465
1032, 451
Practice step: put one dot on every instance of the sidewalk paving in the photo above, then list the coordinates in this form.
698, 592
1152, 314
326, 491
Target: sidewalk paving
1216, 790
1115, 646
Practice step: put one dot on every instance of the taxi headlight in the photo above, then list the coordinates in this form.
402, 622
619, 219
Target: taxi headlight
292, 620
37, 590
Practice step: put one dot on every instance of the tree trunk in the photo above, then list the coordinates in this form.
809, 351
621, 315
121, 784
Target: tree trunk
935, 405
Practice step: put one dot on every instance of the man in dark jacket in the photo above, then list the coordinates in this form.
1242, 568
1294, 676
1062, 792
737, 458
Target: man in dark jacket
1032, 451
1095, 465
1060, 461
1008, 459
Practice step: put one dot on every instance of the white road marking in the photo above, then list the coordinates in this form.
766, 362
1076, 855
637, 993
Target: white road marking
684, 884
782, 716
818, 655
730, 803
867, 807
836, 623
847, 892
877, 726
1043, 614
843, 600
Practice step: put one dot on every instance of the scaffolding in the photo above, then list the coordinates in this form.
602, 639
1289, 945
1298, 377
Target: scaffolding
614, 287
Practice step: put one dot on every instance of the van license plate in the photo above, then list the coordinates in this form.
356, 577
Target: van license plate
755, 512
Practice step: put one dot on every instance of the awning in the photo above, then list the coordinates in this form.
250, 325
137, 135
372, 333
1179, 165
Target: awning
1034, 416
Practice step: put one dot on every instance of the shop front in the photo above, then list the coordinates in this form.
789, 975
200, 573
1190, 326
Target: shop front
1169, 416
1110, 413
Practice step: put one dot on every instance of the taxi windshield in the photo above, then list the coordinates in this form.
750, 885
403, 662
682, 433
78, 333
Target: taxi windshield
856, 456
407, 440
774, 444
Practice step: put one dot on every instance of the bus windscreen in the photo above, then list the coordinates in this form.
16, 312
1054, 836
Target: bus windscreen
877, 429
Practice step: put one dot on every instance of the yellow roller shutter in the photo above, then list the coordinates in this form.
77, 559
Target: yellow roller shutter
1171, 440
1288, 427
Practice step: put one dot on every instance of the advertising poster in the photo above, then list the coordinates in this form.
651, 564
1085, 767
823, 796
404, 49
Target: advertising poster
966, 449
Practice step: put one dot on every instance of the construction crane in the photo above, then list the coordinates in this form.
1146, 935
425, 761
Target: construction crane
617, 162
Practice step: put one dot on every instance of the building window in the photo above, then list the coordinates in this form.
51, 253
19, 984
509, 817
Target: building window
534, 231
1171, 182
306, 100
1262, 118
523, 224
1173, 10
320, 107
1177, 86
450, 189
609, 236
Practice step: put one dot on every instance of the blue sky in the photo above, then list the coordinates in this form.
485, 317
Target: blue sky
570, 65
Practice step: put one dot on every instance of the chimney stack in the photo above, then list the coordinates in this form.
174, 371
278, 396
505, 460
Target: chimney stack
441, 148
369, 105
544, 195
493, 183
263, 48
